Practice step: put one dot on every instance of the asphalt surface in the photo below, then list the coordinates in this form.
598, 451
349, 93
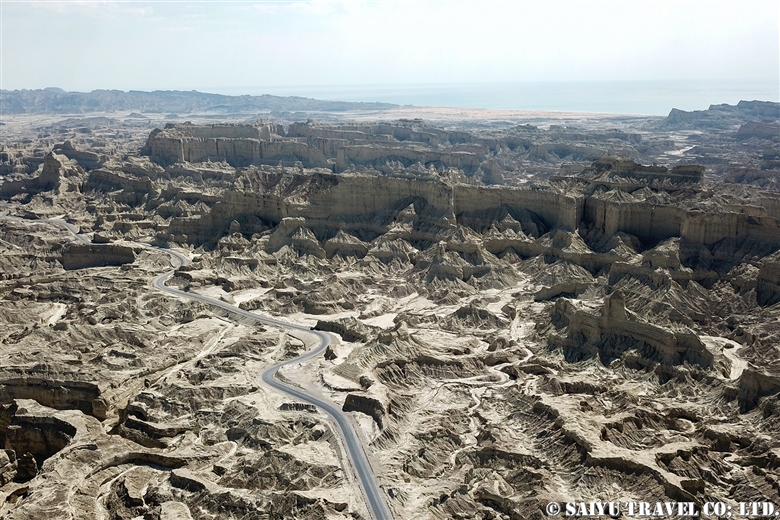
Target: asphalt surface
73, 230
374, 497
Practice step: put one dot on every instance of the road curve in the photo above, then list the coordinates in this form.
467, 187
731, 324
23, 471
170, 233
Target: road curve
73, 230
374, 497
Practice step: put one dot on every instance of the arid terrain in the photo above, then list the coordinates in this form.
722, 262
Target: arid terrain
523, 307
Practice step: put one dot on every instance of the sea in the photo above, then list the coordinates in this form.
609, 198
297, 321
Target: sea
611, 97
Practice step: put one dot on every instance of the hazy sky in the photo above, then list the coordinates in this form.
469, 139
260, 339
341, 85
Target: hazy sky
214, 45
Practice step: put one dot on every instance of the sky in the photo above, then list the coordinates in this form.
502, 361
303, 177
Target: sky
245, 47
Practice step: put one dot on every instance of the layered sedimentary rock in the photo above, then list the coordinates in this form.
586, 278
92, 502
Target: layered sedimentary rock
645, 220
755, 383
80, 256
404, 130
87, 160
266, 143
238, 145
754, 129
624, 174
55, 167
553, 208
608, 333
616, 167
768, 284
586, 331
53, 389
342, 202
134, 189
35, 432
345, 212
366, 405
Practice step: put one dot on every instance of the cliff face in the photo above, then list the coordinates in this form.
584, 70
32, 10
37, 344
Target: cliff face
367, 405
753, 129
87, 160
554, 209
55, 167
696, 227
370, 196
709, 239
377, 155
404, 130
363, 207
768, 284
311, 145
80, 256
53, 390
644, 220
372, 202
571, 217
238, 145
134, 189
323, 200
624, 174
622, 167
613, 335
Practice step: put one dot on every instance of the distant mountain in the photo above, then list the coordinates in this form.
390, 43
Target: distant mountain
57, 101
722, 116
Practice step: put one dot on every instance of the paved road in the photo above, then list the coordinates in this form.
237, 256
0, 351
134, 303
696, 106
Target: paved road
73, 230
374, 496
70, 227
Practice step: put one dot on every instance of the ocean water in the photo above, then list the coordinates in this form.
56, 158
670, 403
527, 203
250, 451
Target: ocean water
614, 97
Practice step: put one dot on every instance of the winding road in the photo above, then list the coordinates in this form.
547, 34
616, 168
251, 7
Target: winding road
375, 499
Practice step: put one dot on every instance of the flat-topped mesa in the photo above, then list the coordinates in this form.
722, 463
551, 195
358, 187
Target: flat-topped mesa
610, 167
314, 146
257, 130
403, 130
237, 144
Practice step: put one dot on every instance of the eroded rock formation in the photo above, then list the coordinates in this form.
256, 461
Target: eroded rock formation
80, 256
517, 317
